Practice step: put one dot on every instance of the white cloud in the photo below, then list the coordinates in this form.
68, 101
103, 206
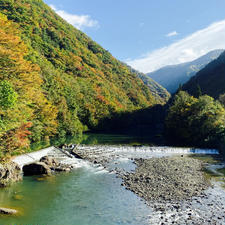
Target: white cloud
171, 34
79, 21
184, 50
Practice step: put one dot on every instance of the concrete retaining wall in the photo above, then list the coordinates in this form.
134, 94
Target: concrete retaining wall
32, 157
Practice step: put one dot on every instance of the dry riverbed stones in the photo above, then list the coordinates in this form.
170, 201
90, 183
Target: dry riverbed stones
166, 179
177, 191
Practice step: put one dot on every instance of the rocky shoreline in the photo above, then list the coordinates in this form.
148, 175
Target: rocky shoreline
10, 172
175, 187
177, 191
43, 162
166, 179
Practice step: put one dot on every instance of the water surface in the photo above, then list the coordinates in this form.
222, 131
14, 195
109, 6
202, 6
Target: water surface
87, 196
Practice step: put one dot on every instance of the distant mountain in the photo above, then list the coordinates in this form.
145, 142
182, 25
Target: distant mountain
171, 77
159, 92
210, 80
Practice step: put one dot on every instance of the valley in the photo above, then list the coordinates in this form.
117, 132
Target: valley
87, 138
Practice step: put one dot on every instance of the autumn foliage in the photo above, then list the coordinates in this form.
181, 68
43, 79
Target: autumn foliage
22, 101
65, 83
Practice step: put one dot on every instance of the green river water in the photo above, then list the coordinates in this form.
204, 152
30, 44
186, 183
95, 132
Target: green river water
86, 196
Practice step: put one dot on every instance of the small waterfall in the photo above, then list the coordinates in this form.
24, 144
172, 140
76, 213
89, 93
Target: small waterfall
107, 149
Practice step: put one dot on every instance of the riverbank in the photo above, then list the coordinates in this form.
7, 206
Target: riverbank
177, 190
167, 179
172, 181
43, 162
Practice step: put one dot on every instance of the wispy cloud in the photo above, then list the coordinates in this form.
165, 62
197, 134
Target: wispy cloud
184, 50
79, 21
171, 34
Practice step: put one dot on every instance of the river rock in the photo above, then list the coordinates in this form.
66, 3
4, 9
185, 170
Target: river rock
49, 161
8, 211
37, 168
9, 172
167, 179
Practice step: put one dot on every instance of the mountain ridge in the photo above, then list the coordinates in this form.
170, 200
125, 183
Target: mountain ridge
157, 90
172, 76
210, 80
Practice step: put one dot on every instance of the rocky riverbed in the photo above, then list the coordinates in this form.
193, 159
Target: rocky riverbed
166, 179
177, 190
172, 184
175, 186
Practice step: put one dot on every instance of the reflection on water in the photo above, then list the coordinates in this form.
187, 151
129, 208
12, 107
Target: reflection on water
96, 138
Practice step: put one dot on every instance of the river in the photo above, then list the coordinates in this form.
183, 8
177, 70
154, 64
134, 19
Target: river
89, 195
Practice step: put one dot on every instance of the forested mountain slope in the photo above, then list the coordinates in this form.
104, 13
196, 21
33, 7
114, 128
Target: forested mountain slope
54, 79
159, 92
210, 80
171, 77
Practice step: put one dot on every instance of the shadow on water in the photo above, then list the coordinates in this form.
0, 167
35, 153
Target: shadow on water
145, 126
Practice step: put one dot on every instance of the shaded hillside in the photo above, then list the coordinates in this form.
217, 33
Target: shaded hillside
171, 77
159, 92
210, 80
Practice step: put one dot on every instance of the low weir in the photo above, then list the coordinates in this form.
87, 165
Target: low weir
162, 149
111, 149
105, 150
33, 157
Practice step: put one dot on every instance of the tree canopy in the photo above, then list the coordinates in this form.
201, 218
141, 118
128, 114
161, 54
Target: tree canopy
22, 101
195, 121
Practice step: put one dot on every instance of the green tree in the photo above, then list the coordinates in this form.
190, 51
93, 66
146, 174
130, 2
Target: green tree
8, 96
192, 121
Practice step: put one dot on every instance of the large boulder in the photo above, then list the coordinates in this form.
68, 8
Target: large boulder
51, 162
37, 168
9, 172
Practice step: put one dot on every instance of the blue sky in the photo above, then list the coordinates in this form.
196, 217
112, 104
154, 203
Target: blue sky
149, 34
